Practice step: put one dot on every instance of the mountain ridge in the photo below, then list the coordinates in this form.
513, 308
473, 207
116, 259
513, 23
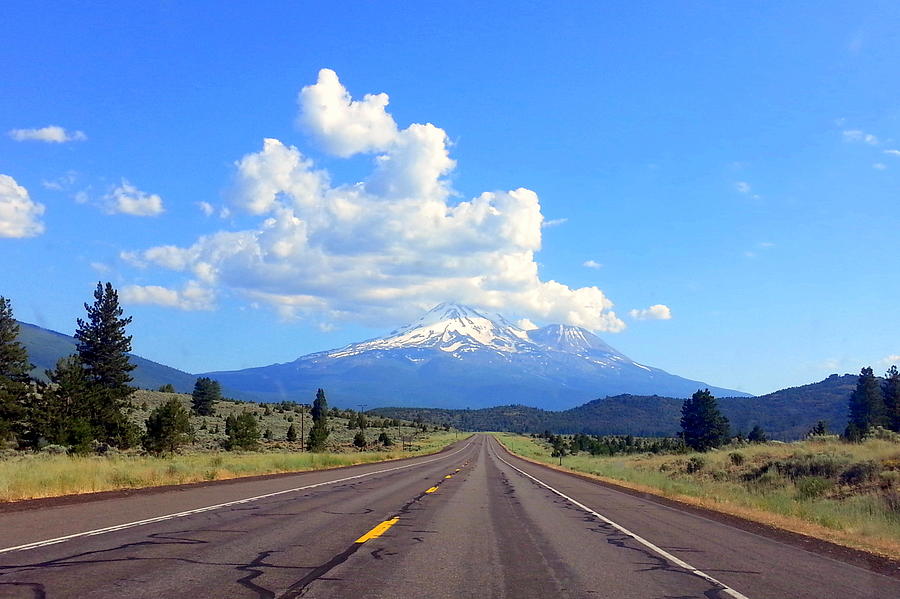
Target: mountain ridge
457, 356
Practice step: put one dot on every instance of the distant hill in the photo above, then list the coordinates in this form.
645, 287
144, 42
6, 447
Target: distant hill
786, 414
45, 347
455, 356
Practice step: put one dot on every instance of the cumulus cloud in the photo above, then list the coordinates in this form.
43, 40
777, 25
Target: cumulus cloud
20, 216
49, 134
857, 136
206, 208
382, 249
655, 312
592, 264
193, 296
128, 199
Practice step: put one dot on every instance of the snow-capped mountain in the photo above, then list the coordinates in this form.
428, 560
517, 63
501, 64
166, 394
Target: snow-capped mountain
457, 356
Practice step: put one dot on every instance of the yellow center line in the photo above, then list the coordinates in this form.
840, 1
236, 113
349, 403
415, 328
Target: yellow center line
378, 530
449, 476
431, 490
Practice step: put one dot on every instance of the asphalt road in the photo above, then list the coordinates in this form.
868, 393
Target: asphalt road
473, 521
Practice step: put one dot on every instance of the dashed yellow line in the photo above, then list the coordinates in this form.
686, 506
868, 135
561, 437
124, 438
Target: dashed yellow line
449, 476
431, 490
378, 530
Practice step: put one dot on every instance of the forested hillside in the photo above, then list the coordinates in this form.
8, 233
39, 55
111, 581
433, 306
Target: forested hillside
785, 414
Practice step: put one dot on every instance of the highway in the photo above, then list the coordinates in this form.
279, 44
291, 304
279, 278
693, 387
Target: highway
472, 521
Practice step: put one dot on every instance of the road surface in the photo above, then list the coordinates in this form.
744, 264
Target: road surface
473, 521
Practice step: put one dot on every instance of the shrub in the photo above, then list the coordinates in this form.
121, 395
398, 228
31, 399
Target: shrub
859, 473
53, 449
168, 427
810, 487
819, 464
736, 457
695, 464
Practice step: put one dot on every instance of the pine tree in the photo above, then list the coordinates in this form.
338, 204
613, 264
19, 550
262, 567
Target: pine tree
206, 392
384, 439
291, 434
891, 392
168, 428
359, 439
167, 388
318, 434
15, 380
103, 349
866, 406
702, 425
757, 435
60, 414
242, 431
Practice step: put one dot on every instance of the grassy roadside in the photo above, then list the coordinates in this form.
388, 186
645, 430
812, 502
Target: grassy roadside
843, 493
43, 475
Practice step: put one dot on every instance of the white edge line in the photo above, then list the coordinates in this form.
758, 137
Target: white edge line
100, 531
639, 539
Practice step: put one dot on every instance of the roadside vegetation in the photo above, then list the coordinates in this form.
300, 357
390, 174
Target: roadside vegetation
848, 493
88, 430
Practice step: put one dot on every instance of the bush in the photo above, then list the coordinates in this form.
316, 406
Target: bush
359, 440
810, 487
53, 449
242, 432
384, 439
168, 427
819, 464
736, 458
859, 473
695, 464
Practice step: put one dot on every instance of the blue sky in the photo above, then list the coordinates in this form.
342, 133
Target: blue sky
736, 167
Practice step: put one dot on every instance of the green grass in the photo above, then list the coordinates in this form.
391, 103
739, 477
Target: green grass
28, 476
846, 493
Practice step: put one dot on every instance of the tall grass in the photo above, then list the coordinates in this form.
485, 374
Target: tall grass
797, 486
32, 476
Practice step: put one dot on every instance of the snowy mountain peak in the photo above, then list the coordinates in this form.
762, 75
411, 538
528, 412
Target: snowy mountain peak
570, 339
452, 328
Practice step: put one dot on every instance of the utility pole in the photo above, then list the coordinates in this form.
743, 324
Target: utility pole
400, 436
302, 431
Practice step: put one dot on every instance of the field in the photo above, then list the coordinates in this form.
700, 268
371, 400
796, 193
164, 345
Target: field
844, 493
27, 475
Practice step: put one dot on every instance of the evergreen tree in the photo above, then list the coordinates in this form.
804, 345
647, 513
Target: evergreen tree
820, 428
757, 435
103, 349
291, 434
359, 439
242, 431
15, 380
59, 413
168, 428
167, 388
702, 425
206, 392
384, 439
318, 434
891, 393
866, 406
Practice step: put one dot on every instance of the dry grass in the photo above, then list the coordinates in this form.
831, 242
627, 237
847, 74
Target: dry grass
30, 476
802, 487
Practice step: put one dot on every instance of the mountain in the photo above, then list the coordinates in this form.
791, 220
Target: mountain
45, 347
455, 356
786, 415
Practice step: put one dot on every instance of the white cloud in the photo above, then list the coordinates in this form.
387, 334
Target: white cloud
19, 214
742, 187
892, 152
855, 135
383, 249
879, 166
61, 183
192, 297
100, 267
592, 264
128, 199
342, 125
655, 312
49, 134
206, 208
891, 360
554, 223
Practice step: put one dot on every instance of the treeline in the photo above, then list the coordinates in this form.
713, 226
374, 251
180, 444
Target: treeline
84, 404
